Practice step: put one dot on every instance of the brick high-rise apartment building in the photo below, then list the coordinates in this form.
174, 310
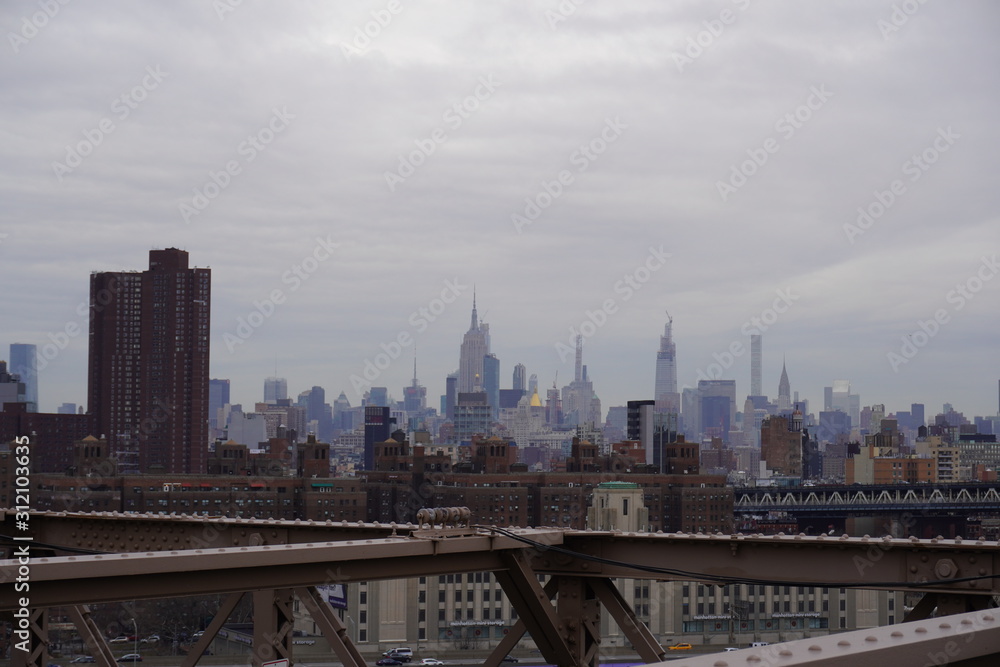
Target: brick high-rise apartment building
148, 369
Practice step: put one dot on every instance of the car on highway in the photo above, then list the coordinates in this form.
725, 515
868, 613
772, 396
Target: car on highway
130, 657
729, 648
83, 658
382, 662
509, 658
430, 661
683, 646
120, 639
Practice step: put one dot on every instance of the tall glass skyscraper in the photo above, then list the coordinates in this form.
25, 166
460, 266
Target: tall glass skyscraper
24, 363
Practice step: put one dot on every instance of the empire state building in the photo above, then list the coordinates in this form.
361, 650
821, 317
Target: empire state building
475, 346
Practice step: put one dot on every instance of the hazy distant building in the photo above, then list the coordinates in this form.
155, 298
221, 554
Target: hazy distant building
148, 363
665, 391
839, 397
473, 416
450, 395
414, 396
784, 391
275, 389
218, 396
378, 428
66, 409
379, 396
834, 426
756, 365
520, 378
491, 381
475, 347
24, 363
11, 388
716, 416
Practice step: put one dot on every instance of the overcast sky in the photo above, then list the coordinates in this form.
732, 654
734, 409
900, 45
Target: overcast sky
358, 159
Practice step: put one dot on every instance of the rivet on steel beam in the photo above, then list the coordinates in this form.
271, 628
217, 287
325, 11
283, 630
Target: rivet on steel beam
871, 638
815, 648
844, 643
945, 626
896, 633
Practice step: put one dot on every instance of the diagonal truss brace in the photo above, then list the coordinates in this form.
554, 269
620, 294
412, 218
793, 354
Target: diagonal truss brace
198, 650
511, 639
635, 630
330, 625
520, 583
91, 635
37, 654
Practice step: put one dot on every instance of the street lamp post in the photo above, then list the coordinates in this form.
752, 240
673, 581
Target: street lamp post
135, 650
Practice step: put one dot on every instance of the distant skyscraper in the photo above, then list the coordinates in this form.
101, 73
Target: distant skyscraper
756, 363
491, 381
342, 413
450, 395
414, 396
379, 396
532, 384
580, 404
713, 413
473, 416
475, 347
24, 363
378, 428
218, 396
148, 366
784, 390
666, 365
66, 409
275, 389
839, 397
519, 377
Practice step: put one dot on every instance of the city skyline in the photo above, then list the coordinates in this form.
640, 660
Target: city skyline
821, 176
